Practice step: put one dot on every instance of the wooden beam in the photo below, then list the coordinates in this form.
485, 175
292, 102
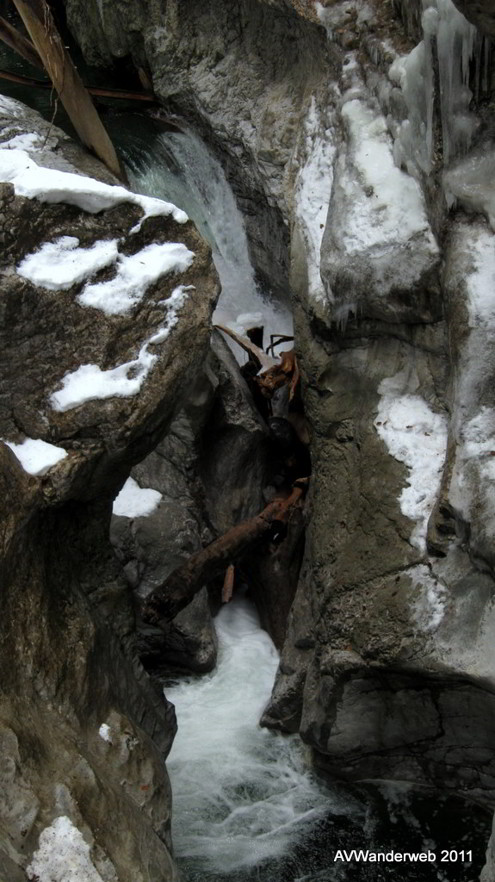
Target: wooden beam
93, 90
83, 115
19, 43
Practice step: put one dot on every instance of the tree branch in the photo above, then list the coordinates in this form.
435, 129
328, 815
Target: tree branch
179, 588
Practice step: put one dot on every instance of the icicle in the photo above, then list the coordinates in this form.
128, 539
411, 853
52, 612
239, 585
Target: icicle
456, 42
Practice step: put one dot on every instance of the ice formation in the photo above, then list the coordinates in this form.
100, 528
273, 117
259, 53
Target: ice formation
453, 44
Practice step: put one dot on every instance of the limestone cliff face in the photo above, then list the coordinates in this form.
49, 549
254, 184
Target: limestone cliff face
351, 132
358, 139
83, 733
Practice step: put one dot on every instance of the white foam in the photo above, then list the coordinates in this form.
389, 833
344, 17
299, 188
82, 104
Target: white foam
241, 793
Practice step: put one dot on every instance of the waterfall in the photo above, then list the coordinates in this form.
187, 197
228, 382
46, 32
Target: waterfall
180, 169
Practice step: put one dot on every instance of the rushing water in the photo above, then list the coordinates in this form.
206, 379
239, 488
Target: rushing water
242, 794
247, 806
181, 169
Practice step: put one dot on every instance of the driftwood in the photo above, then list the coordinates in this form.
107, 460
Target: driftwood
228, 584
83, 115
98, 91
19, 43
286, 373
255, 353
179, 588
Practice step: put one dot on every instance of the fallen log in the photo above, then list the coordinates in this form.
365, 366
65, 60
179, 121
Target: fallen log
18, 43
179, 588
83, 115
98, 91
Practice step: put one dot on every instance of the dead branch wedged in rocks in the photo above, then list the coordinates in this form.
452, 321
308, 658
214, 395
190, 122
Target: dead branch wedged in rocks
255, 353
179, 588
228, 584
97, 91
83, 115
18, 42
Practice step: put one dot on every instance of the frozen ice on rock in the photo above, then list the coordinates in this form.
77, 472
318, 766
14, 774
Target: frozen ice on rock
312, 193
50, 185
89, 383
429, 606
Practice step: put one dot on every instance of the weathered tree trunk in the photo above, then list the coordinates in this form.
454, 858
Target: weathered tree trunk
177, 591
41, 27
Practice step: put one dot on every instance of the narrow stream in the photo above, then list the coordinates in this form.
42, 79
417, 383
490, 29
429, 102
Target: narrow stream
248, 808
243, 795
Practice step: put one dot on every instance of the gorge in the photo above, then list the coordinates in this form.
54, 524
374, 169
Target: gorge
337, 157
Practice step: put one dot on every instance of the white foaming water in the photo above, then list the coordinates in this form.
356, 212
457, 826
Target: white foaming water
241, 793
180, 167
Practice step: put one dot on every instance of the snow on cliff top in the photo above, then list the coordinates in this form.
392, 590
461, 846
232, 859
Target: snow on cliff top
50, 185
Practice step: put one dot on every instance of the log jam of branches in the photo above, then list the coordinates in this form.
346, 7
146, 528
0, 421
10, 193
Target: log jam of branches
179, 588
83, 115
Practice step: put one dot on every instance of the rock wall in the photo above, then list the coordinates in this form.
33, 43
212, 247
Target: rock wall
87, 391
358, 137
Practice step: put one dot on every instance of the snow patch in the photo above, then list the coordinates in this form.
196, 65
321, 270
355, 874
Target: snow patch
49, 185
312, 193
89, 382
58, 265
63, 855
135, 273
134, 501
36, 456
104, 731
417, 436
388, 205
429, 607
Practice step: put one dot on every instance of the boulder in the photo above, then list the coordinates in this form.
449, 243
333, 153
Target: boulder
105, 305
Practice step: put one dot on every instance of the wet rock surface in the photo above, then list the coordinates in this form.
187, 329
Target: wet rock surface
84, 733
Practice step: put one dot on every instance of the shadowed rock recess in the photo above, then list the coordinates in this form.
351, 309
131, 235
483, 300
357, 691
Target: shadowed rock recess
358, 138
